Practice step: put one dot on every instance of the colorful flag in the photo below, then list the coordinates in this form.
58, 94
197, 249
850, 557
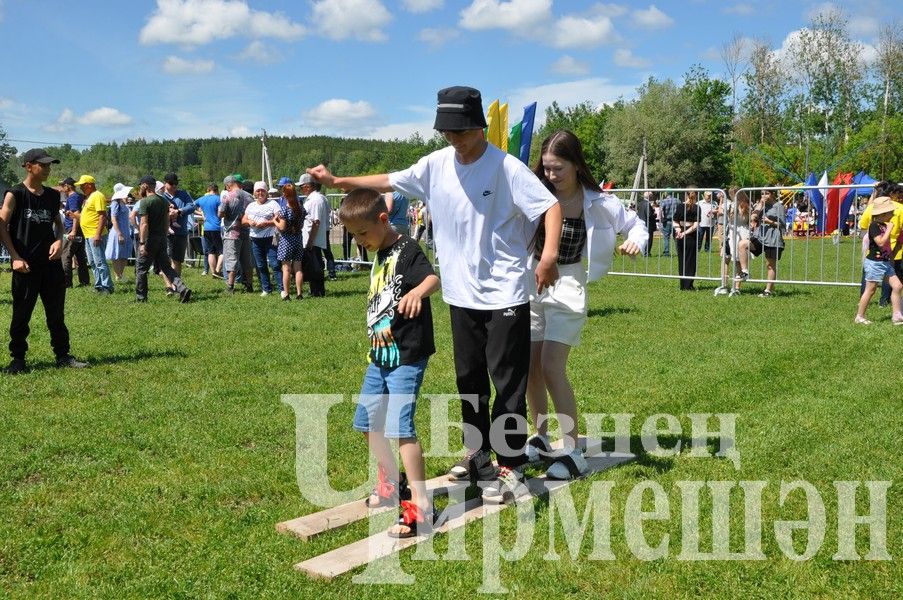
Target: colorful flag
503, 126
493, 136
514, 140
526, 134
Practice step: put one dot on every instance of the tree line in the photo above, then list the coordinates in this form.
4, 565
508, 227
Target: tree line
813, 105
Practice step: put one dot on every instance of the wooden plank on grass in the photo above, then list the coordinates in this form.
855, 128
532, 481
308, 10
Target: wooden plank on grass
341, 560
312, 525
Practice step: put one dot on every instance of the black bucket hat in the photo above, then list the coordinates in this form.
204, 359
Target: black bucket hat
459, 108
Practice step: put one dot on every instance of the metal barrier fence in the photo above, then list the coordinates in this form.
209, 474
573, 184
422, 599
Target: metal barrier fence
808, 257
352, 254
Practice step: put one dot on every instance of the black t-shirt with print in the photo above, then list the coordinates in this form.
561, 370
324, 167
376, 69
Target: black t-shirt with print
876, 252
398, 269
31, 224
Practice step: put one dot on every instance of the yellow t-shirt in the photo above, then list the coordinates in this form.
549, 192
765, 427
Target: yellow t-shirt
896, 227
94, 206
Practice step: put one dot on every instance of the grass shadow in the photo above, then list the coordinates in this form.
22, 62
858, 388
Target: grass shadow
609, 311
113, 359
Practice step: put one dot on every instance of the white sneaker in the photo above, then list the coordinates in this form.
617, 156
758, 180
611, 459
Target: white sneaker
264, 294
568, 466
507, 487
538, 448
733, 293
721, 291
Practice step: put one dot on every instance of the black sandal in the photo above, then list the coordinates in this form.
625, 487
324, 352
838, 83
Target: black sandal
388, 491
417, 523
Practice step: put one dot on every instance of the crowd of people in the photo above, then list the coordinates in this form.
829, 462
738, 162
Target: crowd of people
516, 249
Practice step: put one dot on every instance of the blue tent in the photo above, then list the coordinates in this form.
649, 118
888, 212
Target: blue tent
862, 178
817, 202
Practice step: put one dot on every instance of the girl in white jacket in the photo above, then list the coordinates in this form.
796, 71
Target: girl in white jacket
592, 219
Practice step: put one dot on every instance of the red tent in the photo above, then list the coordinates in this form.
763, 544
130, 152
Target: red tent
833, 200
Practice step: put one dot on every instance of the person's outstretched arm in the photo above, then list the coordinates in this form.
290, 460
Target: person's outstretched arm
380, 182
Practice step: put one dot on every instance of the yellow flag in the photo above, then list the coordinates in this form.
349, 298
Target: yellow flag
503, 127
493, 132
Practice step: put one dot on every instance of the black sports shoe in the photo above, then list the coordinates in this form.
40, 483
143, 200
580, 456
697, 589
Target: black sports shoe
476, 466
185, 296
70, 362
16, 366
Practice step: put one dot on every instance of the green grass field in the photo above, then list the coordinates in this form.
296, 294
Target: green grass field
162, 470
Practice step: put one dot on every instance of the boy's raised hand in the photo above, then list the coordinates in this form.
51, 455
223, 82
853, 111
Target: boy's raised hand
322, 174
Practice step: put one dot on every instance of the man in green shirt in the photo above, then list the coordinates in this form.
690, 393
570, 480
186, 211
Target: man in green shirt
154, 211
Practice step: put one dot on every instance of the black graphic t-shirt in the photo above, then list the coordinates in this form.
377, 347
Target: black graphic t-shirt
394, 339
31, 224
876, 252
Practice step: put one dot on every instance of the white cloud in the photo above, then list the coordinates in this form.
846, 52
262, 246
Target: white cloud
869, 54
257, 52
199, 22
437, 37
400, 131
825, 8
513, 15
341, 115
5, 103
864, 26
99, 117
652, 18
359, 19
534, 19
240, 131
180, 66
568, 65
63, 122
419, 6
742, 9
105, 117
597, 90
712, 54
626, 58
582, 32
608, 10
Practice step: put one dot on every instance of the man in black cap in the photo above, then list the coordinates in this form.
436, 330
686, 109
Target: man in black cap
31, 229
73, 240
152, 228
183, 207
485, 205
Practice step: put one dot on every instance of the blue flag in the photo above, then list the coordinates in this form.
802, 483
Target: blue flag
526, 135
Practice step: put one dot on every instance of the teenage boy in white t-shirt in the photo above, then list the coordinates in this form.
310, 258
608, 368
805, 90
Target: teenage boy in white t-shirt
485, 205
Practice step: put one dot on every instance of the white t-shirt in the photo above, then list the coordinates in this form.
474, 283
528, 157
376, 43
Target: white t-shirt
262, 212
705, 208
484, 215
317, 208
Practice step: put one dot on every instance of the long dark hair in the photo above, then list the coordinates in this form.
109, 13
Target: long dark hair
565, 145
291, 198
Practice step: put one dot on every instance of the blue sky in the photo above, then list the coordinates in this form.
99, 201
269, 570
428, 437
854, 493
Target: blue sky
93, 71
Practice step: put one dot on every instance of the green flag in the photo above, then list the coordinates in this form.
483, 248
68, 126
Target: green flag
514, 139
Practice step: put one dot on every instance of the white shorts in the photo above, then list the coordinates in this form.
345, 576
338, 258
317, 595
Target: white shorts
559, 313
742, 234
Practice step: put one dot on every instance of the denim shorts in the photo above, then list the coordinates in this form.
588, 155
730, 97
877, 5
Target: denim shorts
876, 270
388, 400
